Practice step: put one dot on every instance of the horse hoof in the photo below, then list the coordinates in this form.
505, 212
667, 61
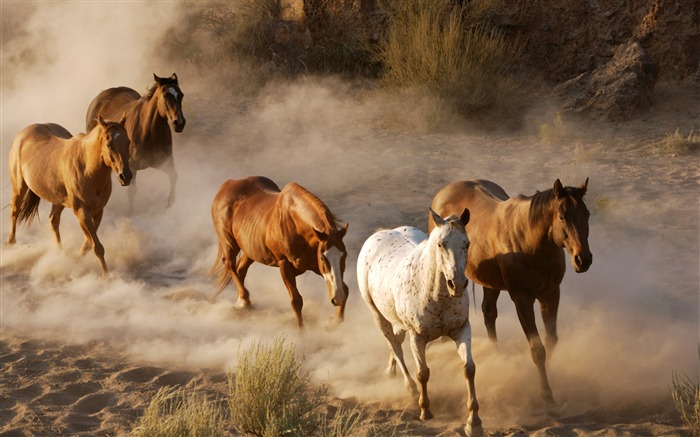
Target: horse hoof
473, 430
426, 415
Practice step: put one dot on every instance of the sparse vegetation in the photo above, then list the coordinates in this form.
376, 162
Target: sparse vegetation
271, 395
555, 131
686, 395
453, 52
174, 412
679, 144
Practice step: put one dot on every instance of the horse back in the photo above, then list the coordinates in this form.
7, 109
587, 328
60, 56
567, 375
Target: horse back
110, 104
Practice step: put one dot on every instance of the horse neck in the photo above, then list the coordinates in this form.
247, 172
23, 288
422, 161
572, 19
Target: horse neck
428, 278
152, 124
89, 151
534, 221
309, 209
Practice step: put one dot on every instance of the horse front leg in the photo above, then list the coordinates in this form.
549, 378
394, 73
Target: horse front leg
549, 308
131, 190
423, 374
169, 169
97, 219
490, 309
463, 340
526, 314
289, 275
85, 218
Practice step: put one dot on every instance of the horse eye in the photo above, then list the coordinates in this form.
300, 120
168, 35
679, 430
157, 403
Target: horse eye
561, 217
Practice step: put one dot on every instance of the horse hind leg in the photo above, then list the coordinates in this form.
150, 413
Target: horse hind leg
55, 219
238, 274
18, 194
490, 309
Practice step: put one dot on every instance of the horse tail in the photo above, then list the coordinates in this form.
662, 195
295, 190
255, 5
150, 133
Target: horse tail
29, 208
223, 278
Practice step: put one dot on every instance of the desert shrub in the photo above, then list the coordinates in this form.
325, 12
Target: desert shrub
680, 144
271, 395
173, 412
551, 132
452, 51
686, 396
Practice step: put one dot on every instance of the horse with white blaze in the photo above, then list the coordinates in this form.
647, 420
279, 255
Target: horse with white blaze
415, 283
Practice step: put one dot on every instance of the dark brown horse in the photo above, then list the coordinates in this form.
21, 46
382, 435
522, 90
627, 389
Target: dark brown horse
290, 228
517, 244
75, 172
147, 120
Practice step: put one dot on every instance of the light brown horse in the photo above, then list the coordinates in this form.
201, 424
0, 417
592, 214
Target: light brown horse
291, 229
517, 244
74, 172
147, 120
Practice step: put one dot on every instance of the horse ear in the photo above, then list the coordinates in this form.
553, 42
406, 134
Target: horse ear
343, 231
464, 218
156, 78
100, 120
436, 217
174, 77
558, 189
321, 235
123, 119
584, 187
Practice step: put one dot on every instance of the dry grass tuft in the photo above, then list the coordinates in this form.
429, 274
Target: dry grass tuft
271, 395
679, 144
686, 395
451, 51
173, 412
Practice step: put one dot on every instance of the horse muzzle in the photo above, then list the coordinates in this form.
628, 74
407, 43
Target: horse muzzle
456, 290
582, 261
124, 178
179, 124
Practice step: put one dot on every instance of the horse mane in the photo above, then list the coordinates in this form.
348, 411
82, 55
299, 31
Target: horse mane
539, 202
152, 90
318, 205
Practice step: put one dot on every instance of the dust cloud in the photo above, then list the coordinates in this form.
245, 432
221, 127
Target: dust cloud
624, 326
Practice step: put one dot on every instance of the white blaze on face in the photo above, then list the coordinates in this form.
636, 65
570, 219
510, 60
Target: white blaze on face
334, 276
116, 136
173, 92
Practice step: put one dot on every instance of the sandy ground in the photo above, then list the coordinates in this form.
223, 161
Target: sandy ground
82, 355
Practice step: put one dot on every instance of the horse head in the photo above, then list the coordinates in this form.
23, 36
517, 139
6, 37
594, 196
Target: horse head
115, 148
331, 256
170, 101
570, 224
451, 245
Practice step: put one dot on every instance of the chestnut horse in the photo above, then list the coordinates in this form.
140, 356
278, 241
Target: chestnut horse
414, 283
147, 120
46, 163
517, 244
291, 229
